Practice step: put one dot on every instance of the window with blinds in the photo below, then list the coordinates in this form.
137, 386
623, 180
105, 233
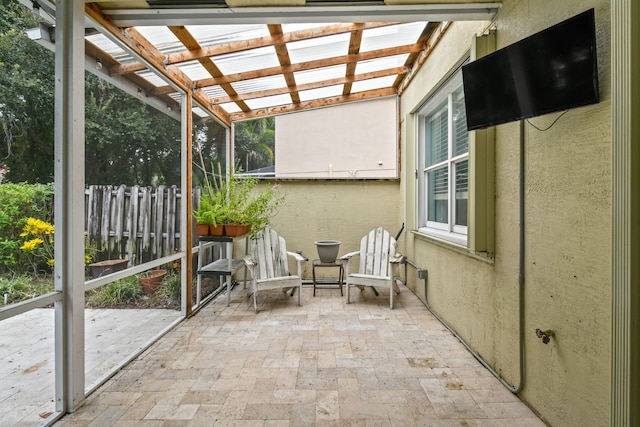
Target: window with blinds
444, 183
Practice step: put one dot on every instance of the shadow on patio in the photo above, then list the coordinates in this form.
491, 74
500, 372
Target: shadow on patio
325, 363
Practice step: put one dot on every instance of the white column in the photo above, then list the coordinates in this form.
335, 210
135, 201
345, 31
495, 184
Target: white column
69, 204
625, 242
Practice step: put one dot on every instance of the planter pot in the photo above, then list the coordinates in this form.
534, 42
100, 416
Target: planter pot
217, 230
235, 230
151, 280
107, 267
328, 250
202, 229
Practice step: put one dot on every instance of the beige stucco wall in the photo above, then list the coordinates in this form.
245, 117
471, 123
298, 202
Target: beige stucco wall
343, 210
357, 139
567, 234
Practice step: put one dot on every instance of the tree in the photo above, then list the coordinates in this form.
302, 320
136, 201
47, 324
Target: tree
26, 99
254, 143
127, 142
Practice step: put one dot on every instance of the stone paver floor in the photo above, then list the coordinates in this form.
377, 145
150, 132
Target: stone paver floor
324, 364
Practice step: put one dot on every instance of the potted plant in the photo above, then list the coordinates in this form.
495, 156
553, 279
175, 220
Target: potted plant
249, 208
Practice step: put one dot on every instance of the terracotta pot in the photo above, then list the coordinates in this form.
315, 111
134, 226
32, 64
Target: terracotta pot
202, 229
235, 230
151, 280
217, 230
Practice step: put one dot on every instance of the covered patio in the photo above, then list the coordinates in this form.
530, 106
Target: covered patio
570, 273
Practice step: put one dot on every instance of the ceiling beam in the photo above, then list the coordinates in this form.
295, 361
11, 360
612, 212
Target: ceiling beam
244, 45
318, 103
314, 85
310, 65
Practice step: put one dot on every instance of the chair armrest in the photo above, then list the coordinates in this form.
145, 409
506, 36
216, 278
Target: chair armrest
249, 262
347, 257
299, 261
396, 259
296, 256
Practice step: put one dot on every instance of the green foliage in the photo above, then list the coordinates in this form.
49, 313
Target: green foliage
172, 287
120, 129
212, 210
19, 288
249, 205
254, 143
18, 202
118, 293
127, 142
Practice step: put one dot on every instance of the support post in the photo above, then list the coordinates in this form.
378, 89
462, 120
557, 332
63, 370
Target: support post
69, 205
187, 203
625, 240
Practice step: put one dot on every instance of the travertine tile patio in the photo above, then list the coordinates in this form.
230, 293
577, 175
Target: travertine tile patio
325, 364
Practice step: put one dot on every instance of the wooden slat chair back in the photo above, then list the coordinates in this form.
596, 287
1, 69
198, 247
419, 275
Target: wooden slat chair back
377, 264
268, 263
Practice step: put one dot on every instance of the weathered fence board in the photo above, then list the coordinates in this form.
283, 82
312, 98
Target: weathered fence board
136, 223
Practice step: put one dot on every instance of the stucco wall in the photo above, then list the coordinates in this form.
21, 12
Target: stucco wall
567, 234
342, 210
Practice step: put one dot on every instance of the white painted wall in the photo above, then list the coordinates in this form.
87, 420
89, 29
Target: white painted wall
355, 140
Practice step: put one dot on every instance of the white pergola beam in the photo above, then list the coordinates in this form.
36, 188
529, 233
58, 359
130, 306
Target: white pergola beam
259, 15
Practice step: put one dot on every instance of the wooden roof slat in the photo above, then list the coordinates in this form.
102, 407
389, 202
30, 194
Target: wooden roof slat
141, 46
308, 86
190, 43
324, 102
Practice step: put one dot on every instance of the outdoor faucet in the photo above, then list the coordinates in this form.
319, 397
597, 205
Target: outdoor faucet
545, 335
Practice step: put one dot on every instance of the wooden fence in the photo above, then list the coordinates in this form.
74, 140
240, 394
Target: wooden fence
136, 223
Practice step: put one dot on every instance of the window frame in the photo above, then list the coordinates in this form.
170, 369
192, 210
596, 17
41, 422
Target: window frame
448, 231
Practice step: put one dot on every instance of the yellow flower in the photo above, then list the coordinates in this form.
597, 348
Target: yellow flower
37, 226
51, 262
30, 245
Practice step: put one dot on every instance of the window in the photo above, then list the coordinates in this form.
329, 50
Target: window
444, 162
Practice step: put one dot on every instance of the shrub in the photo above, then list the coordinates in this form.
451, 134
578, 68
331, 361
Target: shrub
18, 202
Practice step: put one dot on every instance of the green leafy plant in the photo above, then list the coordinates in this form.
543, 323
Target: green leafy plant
172, 286
118, 293
250, 205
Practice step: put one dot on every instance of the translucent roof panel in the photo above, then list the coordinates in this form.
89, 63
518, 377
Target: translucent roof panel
380, 64
198, 111
319, 48
260, 84
320, 74
249, 60
395, 35
105, 44
209, 35
162, 38
152, 78
230, 107
378, 83
323, 92
269, 101
214, 91
194, 70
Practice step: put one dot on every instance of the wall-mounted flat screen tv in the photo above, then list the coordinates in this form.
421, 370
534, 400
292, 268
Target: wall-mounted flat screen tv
553, 70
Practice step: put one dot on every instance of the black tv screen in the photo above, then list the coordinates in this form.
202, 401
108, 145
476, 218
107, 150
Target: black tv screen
553, 70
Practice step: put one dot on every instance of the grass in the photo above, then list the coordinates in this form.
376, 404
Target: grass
124, 293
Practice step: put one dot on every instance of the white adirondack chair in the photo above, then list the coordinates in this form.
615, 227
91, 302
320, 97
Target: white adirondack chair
267, 262
378, 263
